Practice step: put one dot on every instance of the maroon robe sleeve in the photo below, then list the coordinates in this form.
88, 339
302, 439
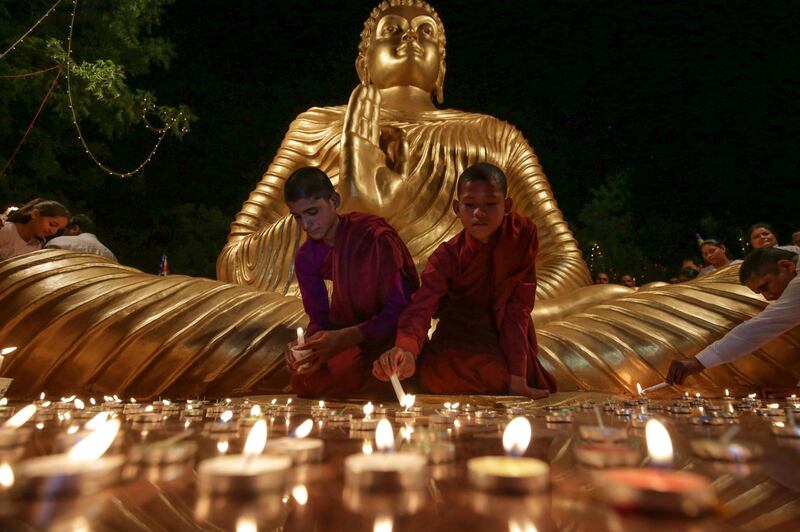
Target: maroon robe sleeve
384, 324
516, 322
412, 329
308, 265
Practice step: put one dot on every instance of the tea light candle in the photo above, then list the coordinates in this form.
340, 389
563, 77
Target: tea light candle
252, 419
607, 454
224, 423
513, 473
385, 470
246, 474
300, 449
408, 412
11, 435
559, 416
601, 433
790, 429
398, 388
83, 470
657, 489
365, 423
320, 410
724, 449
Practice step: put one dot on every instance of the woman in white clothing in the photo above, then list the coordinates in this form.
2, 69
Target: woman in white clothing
27, 228
715, 254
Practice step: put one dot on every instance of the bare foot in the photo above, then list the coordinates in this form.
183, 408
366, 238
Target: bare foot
517, 386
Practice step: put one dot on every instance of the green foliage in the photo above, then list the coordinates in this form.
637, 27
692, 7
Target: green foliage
114, 48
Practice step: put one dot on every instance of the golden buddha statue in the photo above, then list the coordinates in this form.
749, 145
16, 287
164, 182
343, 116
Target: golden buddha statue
83, 324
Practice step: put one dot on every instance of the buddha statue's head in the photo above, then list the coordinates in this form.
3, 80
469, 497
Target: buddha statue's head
403, 44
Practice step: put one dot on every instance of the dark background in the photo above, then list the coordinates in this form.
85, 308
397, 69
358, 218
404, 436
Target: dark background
653, 121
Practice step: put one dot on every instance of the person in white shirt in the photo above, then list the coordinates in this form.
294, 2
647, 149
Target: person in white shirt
79, 236
771, 272
716, 256
26, 228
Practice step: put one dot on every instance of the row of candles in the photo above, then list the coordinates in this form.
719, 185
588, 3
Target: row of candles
263, 464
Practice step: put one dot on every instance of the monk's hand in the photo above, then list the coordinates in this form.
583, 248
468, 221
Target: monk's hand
394, 361
373, 160
680, 369
325, 344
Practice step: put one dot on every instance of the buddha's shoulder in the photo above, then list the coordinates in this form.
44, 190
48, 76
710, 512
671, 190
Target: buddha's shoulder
323, 114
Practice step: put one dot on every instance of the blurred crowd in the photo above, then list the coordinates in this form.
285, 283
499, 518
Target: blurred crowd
43, 223
713, 256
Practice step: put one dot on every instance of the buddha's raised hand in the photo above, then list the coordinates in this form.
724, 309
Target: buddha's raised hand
373, 161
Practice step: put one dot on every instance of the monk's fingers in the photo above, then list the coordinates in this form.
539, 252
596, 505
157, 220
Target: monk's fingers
386, 364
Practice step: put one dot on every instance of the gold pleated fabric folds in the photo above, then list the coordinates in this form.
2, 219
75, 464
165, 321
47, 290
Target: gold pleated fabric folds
85, 325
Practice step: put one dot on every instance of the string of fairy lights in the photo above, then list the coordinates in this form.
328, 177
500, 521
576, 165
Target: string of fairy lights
147, 104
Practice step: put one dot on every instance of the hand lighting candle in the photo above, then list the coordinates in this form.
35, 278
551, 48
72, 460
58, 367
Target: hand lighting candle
245, 474
398, 389
385, 470
656, 488
513, 473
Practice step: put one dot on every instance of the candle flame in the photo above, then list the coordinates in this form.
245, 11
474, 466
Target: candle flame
97, 421
45, 404
222, 446
73, 429
406, 431
751, 396
300, 494
246, 523
368, 409
95, 444
456, 405
148, 408
288, 401
4, 401
273, 401
227, 400
517, 436
7, 351
774, 405
133, 401
366, 447
92, 401
322, 404
256, 439
41, 396
255, 411
21, 417
68, 399
226, 416
408, 401
523, 525
659, 444
727, 393
6, 476
78, 404
447, 406
638, 388
304, 429
384, 436
383, 524
166, 402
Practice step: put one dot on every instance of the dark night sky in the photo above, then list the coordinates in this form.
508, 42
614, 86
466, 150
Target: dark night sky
699, 100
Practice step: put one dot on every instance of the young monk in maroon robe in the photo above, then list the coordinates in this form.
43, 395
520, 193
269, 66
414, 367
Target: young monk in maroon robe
373, 277
481, 285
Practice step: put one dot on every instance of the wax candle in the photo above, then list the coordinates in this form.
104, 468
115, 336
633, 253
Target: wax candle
367, 422
83, 470
408, 412
11, 433
246, 474
512, 473
656, 488
385, 470
601, 433
301, 354
299, 448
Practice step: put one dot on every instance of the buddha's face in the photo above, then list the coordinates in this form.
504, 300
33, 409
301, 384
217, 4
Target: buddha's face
404, 49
